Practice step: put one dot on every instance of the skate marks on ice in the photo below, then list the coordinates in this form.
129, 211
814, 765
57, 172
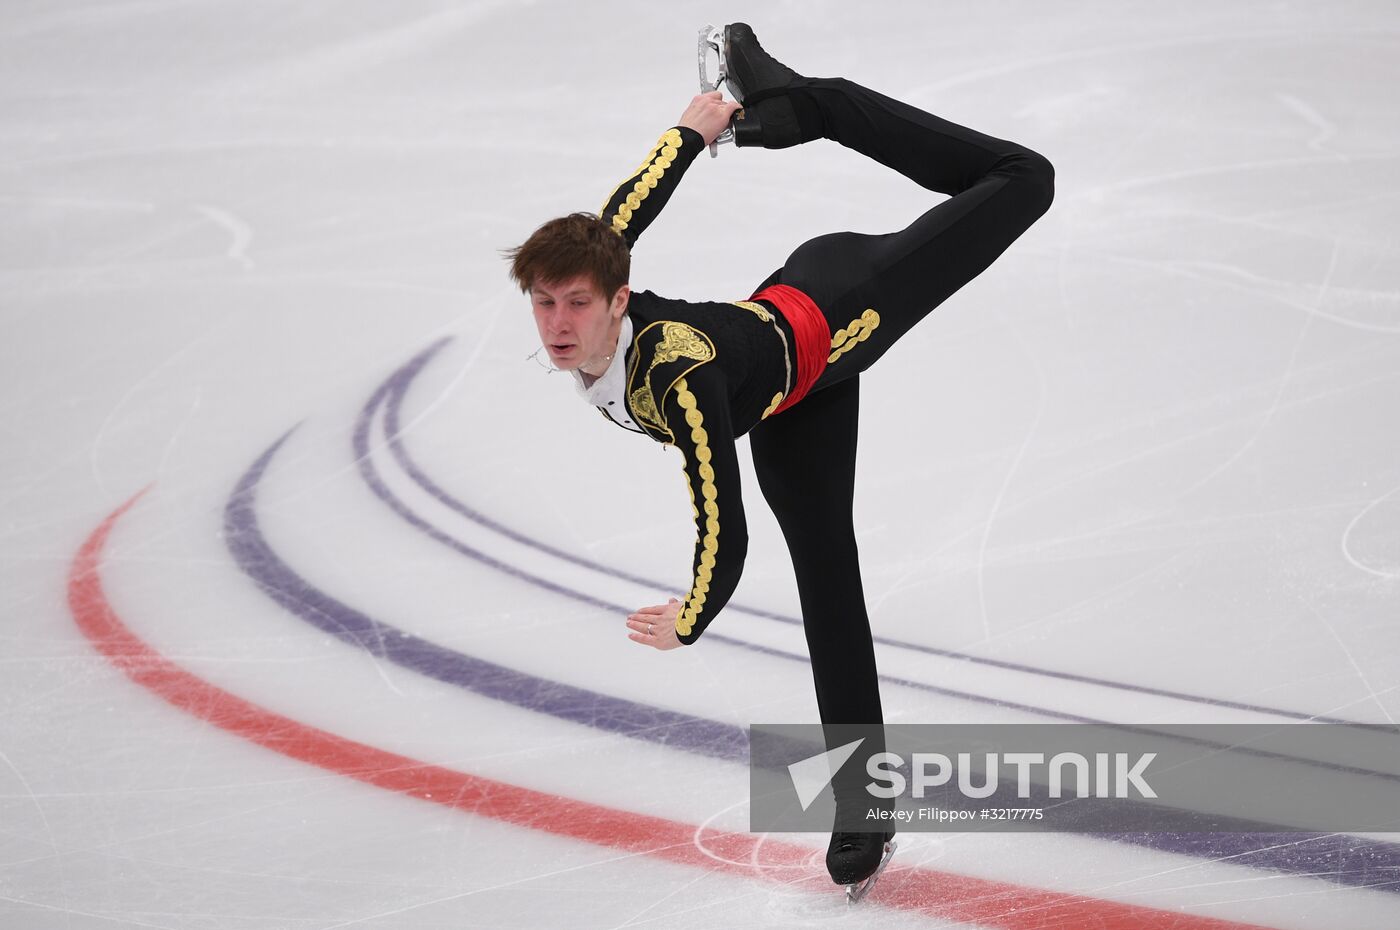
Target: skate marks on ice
586, 578
598, 585
272, 574
941, 895
1360, 542
1389, 571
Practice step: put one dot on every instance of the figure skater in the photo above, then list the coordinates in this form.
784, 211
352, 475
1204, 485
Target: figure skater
783, 365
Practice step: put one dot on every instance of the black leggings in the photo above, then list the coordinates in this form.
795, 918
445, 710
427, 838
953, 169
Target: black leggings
998, 190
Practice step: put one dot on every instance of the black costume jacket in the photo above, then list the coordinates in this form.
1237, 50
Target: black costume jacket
698, 375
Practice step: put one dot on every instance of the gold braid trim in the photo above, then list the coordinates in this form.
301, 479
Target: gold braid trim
664, 153
678, 341
762, 313
858, 330
757, 310
695, 602
645, 161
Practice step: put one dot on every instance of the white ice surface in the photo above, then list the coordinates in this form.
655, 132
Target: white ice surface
1155, 443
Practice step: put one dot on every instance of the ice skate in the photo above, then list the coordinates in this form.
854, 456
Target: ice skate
857, 859
758, 81
754, 78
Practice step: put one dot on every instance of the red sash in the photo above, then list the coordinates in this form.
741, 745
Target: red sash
811, 333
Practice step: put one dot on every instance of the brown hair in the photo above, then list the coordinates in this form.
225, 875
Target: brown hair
579, 243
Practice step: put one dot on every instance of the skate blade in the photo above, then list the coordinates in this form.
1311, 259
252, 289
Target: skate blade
862, 888
711, 39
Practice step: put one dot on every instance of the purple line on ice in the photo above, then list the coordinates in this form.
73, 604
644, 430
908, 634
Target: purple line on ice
1343, 859
401, 380
578, 705
392, 393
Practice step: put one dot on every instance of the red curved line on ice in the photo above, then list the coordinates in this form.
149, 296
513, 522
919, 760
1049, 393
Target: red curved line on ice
937, 894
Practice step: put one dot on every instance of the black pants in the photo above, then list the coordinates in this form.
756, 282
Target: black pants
806, 457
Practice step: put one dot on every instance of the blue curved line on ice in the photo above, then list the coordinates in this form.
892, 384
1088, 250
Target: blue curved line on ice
401, 380
1348, 860
399, 383
1342, 859
578, 705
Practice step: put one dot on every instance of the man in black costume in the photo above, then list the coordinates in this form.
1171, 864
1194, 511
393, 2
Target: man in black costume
784, 364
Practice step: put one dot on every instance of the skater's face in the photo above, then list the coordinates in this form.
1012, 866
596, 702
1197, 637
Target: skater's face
578, 323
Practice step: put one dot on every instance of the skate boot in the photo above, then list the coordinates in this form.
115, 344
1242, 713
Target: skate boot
752, 74
857, 859
759, 81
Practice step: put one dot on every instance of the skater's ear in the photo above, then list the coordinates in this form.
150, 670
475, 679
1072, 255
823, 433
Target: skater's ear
618, 305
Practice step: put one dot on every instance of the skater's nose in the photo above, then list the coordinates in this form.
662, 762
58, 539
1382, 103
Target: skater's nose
555, 322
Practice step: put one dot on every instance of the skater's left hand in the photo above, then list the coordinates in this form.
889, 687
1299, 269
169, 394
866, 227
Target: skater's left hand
708, 114
655, 626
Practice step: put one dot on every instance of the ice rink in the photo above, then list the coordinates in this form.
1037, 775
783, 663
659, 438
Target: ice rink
312, 582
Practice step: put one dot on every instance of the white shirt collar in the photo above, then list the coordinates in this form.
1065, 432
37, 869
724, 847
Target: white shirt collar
607, 391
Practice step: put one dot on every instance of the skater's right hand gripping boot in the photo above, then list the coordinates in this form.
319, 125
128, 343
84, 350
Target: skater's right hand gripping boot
708, 114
